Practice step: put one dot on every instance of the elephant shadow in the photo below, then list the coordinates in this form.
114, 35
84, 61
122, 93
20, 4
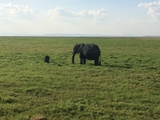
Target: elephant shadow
125, 66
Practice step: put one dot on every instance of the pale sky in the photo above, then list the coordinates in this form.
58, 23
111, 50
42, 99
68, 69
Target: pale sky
86, 17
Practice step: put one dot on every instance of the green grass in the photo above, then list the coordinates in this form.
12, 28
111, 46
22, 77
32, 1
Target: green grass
125, 87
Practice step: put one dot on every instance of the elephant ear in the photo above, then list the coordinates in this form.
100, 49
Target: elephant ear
82, 45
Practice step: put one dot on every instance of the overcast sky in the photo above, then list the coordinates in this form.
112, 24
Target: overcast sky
88, 17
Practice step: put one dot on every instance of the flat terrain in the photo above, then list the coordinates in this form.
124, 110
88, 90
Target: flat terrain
125, 87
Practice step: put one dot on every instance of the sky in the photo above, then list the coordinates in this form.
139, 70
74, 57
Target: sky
80, 17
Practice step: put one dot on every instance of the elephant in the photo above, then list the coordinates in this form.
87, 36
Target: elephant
46, 59
87, 51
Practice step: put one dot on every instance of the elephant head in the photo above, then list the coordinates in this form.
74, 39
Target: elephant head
78, 48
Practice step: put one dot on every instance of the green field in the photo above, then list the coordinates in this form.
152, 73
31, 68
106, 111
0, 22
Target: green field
125, 87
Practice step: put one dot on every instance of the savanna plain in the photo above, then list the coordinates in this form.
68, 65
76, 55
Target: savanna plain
126, 86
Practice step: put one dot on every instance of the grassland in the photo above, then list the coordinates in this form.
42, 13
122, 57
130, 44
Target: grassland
125, 87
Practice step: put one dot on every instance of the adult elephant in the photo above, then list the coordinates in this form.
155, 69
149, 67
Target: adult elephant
87, 51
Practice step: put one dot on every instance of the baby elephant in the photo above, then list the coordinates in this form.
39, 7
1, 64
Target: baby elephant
46, 59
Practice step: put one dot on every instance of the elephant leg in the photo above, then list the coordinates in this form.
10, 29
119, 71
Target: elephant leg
81, 56
84, 61
96, 62
81, 61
